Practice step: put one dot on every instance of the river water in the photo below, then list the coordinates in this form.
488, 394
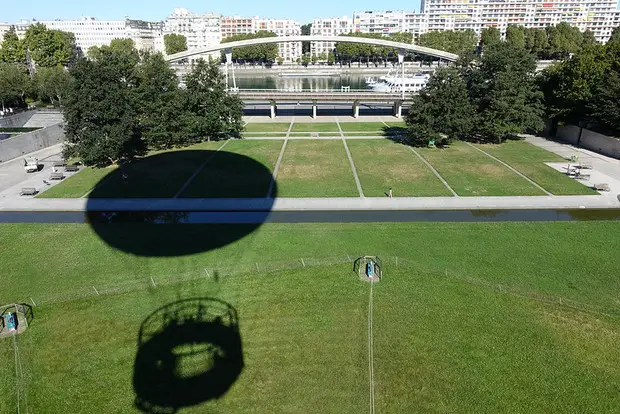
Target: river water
298, 82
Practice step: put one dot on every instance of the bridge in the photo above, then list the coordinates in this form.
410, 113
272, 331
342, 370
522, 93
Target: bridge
401, 47
344, 94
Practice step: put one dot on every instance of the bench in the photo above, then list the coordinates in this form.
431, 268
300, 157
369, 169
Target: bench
28, 191
585, 166
71, 168
580, 176
601, 187
56, 176
59, 164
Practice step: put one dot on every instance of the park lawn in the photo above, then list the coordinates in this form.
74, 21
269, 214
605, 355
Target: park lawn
220, 179
267, 127
510, 354
79, 184
471, 173
364, 134
383, 164
263, 135
362, 126
315, 168
529, 160
315, 127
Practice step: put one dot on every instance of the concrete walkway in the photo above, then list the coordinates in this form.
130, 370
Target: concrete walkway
313, 204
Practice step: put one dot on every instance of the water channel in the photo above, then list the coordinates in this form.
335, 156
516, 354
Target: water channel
299, 82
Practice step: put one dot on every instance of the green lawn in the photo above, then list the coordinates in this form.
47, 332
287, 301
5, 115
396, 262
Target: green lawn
315, 127
382, 164
237, 177
362, 126
267, 127
441, 343
529, 160
79, 184
471, 173
315, 168
270, 135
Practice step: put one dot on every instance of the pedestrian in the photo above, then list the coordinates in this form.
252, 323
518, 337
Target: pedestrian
125, 178
390, 192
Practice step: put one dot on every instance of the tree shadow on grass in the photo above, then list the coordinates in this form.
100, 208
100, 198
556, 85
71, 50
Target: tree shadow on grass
122, 211
189, 352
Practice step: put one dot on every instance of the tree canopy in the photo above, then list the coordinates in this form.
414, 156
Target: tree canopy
12, 49
459, 42
348, 52
175, 43
258, 53
49, 48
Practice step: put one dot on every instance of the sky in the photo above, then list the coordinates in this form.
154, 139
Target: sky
155, 10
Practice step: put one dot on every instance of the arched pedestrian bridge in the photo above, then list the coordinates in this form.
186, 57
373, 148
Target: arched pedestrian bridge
402, 47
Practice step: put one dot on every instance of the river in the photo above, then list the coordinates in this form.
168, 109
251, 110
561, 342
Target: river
298, 82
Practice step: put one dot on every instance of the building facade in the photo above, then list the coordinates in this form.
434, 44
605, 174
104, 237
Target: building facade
290, 51
89, 31
200, 30
598, 16
236, 25
328, 27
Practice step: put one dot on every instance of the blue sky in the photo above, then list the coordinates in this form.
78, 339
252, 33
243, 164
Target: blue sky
304, 11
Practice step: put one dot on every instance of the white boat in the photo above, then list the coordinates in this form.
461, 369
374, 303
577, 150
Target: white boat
397, 84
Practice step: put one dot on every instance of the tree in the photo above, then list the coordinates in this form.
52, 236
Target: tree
12, 49
14, 83
53, 83
442, 111
175, 43
331, 58
160, 104
280, 60
305, 59
101, 123
489, 36
515, 35
564, 40
213, 113
459, 42
306, 30
49, 48
536, 42
588, 39
504, 93
121, 54
262, 53
604, 108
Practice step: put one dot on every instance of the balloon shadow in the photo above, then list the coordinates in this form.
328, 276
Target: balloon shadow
189, 352
122, 208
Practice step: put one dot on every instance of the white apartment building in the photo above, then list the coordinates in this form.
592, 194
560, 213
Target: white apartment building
334, 26
88, 31
200, 30
383, 22
146, 35
290, 51
599, 16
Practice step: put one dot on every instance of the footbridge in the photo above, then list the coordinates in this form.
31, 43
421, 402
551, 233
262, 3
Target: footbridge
345, 94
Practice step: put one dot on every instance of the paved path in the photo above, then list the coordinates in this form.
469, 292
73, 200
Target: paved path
313, 204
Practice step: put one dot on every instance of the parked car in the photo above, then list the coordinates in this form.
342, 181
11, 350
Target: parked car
31, 165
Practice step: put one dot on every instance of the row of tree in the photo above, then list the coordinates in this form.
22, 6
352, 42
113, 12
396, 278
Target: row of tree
489, 97
120, 104
46, 48
585, 87
16, 86
356, 52
258, 53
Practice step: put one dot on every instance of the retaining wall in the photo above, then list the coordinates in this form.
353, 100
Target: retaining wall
30, 142
17, 120
591, 140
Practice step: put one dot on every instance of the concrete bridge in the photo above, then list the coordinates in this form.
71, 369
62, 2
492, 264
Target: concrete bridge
401, 47
345, 94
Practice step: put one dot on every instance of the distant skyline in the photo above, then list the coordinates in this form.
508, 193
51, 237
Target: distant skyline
155, 10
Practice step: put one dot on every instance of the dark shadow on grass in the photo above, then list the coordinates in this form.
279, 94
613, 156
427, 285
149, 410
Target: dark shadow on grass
144, 231
189, 352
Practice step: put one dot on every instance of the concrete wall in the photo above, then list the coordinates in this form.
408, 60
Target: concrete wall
32, 141
591, 140
17, 120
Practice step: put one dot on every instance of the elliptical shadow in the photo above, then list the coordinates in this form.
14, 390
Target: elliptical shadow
178, 176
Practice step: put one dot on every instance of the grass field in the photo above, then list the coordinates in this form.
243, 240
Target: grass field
316, 169
471, 173
315, 127
362, 126
450, 343
267, 127
79, 184
382, 164
529, 160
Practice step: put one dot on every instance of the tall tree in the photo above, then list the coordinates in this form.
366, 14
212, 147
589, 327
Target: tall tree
441, 111
459, 42
49, 48
306, 30
12, 49
515, 35
160, 104
564, 40
53, 83
14, 83
504, 93
489, 36
175, 43
262, 53
604, 108
536, 42
214, 114
101, 123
